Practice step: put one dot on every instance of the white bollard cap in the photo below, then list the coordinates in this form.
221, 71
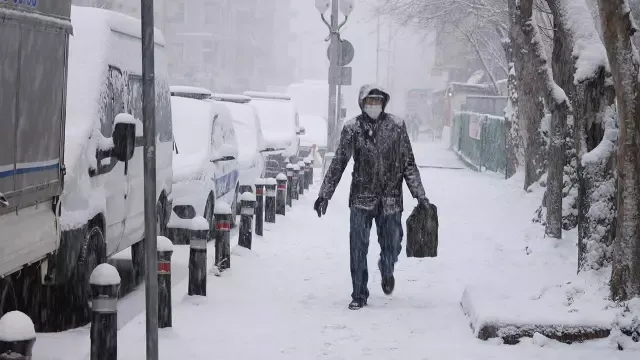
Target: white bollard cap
296, 168
104, 275
271, 181
222, 208
259, 181
248, 196
289, 166
281, 177
301, 163
199, 223
164, 244
16, 326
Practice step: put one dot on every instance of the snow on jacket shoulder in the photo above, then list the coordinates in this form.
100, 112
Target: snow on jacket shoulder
383, 158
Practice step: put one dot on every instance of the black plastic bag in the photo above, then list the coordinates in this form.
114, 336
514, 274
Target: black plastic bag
422, 232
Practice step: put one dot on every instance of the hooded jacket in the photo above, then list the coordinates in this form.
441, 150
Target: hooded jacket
382, 156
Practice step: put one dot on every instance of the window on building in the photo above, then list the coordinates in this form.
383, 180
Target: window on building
176, 11
210, 52
177, 52
212, 13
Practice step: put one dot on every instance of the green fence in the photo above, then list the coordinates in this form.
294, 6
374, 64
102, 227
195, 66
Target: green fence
479, 140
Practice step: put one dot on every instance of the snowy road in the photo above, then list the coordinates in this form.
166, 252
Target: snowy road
287, 299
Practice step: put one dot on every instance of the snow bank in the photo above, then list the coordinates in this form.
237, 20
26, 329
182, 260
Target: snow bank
104, 274
164, 244
222, 208
248, 196
16, 326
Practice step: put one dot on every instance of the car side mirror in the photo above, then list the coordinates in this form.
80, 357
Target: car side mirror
124, 137
301, 131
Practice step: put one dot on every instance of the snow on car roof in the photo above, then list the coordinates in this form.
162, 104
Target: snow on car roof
267, 95
183, 89
242, 99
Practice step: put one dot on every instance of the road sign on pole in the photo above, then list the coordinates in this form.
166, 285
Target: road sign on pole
347, 53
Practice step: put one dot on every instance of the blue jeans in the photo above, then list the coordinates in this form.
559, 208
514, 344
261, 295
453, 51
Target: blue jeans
390, 235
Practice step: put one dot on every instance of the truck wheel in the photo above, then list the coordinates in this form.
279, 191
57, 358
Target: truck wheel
93, 253
137, 249
8, 301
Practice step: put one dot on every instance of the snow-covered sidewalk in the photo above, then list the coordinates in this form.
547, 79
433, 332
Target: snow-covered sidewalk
287, 299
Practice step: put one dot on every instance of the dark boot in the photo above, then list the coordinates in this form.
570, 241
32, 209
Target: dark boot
388, 283
357, 304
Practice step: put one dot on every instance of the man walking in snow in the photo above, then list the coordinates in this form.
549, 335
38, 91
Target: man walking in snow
383, 158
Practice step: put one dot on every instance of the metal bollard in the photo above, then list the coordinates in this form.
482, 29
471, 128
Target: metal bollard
259, 206
105, 284
296, 183
301, 178
197, 266
307, 173
222, 213
281, 194
17, 336
165, 250
289, 184
270, 200
247, 208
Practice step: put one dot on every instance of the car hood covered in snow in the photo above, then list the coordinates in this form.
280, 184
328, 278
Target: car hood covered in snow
192, 121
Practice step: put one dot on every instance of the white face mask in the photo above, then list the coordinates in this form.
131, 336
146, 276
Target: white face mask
373, 111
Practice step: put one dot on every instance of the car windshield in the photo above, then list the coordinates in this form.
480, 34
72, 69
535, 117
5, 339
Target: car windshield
275, 115
244, 123
191, 124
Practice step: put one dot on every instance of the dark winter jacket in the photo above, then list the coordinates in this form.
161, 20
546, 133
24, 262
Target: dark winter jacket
382, 156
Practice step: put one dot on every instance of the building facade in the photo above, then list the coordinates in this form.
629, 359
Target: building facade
223, 45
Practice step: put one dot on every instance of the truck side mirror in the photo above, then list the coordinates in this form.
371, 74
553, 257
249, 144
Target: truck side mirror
124, 137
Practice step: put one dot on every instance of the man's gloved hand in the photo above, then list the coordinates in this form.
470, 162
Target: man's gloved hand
320, 206
424, 202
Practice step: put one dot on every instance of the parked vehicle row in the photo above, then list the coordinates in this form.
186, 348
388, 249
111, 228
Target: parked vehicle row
71, 167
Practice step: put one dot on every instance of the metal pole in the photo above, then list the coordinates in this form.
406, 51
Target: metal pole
149, 119
378, 52
333, 77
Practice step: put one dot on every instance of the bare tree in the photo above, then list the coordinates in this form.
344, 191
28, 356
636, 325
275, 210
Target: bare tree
618, 29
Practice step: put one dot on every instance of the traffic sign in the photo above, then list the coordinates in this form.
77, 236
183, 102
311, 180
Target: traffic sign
347, 53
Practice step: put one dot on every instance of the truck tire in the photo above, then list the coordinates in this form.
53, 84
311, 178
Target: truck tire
93, 253
8, 300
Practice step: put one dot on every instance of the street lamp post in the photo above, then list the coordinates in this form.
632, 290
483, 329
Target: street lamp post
335, 71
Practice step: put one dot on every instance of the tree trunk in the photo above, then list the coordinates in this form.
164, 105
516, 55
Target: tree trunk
513, 137
558, 104
530, 103
618, 28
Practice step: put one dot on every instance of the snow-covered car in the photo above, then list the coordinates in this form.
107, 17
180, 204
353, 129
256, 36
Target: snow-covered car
280, 127
205, 166
315, 137
251, 158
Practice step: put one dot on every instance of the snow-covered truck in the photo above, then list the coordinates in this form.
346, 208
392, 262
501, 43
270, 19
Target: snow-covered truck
34, 47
